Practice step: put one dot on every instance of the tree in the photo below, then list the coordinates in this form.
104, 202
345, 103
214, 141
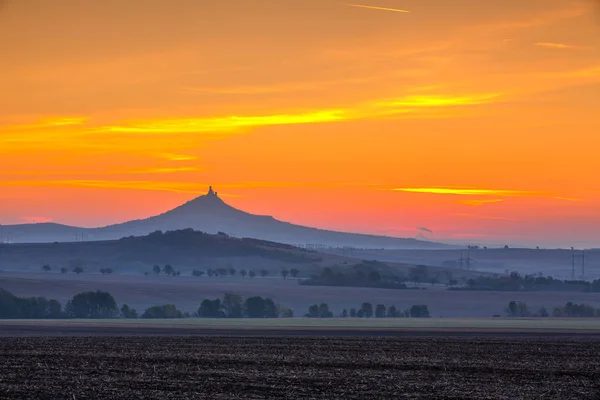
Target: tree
319, 311
286, 313
128, 313
392, 312
344, 313
324, 311
313, 311
353, 313
380, 310
285, 273
46, 268
232, 271
168, 269
232, 305
257, 307
102, 271
165, 311
92, 305
517, 309
54, 309
420, 273
78, 270
156, 269
254, 307
197, 273
271, 309
223, 271
108, 271
63, 270
294, 272
243, 273
252, 274
367, 309
419, 311
264, 272
210, 272
210, 309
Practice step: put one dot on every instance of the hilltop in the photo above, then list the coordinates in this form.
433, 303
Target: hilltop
209, 213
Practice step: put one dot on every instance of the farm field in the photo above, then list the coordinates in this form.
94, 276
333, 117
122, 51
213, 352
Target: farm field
141, 292
298, 368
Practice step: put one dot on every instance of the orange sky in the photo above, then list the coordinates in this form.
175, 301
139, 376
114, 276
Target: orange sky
476, 120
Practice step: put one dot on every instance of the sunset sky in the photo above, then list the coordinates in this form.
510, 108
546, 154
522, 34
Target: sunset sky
464, 121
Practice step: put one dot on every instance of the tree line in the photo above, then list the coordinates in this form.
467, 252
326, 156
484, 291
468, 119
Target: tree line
366, 310
519, 309
517, 282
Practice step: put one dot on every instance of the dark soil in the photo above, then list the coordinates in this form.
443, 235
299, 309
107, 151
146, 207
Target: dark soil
298, 368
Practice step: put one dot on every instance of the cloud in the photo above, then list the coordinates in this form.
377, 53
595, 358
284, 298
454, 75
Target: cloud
378, 8
424, 229
569, 199
407, 106
478, 203
470, 191
485, 217
163, 170
559, 46
50, 122
177, 157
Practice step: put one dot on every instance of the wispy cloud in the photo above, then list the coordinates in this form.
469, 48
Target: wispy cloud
485, 217
408, 106
559, 46
424, 229
177, 157
470, 191
398, 10
478, 203
159, 170
569, 199
49, 122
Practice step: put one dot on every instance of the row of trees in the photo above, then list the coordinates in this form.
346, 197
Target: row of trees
367, 310
517, 282
235, 306
519, 309
77, 270
365, 274
95, 305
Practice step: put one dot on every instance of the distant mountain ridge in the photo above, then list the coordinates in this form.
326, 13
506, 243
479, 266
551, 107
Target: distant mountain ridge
210, 214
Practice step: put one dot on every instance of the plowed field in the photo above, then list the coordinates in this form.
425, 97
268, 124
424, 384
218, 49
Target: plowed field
298, 368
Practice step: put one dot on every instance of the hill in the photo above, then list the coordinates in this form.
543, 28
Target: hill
209, 213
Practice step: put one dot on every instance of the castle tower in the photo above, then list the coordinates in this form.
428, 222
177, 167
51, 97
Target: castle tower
211, 193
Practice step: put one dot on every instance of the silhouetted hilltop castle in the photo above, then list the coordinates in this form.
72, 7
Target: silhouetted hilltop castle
209, 213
